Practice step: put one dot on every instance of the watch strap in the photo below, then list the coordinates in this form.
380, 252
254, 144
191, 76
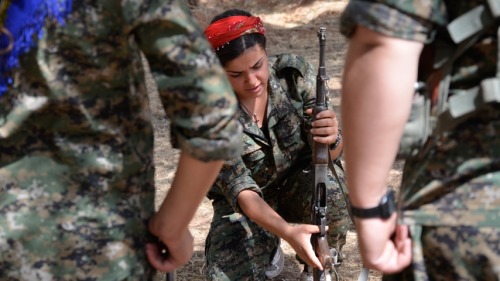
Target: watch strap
384, 210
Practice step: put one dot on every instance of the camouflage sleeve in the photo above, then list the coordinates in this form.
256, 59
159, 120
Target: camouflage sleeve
306, 86
406, 19
193, 88
305, 90
234, 178
300, 78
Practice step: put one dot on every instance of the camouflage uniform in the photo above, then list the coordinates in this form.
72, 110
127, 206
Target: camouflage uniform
450, 193
76, 141
276, 164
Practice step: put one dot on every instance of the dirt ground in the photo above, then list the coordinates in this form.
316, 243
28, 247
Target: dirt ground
291, 27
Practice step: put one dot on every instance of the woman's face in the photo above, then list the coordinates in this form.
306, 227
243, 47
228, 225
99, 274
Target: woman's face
249, 73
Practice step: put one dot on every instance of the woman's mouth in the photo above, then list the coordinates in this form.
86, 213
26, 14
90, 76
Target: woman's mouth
255, 89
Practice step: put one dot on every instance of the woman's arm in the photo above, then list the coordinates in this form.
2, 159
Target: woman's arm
298, 236
171, 221
202, 108
377, 91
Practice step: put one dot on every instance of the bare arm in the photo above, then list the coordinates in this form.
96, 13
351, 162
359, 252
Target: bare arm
171, 221
325, 130
376, 99
297, 236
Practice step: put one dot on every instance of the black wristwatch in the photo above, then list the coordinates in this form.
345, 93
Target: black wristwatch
384, 210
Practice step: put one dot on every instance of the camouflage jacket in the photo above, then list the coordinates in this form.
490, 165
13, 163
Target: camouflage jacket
423, 21
76, 140
272, 152
455, 181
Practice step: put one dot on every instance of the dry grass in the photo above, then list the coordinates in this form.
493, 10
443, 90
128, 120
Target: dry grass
291, 27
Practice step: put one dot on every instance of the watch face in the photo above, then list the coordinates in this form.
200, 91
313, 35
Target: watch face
384, 210
387, 204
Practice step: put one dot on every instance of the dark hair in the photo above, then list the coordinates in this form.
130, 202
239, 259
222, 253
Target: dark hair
239, 45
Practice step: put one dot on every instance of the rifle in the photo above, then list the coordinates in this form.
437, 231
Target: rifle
321, 157
322, 161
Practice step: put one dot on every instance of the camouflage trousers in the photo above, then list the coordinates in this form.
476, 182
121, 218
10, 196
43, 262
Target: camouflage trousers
451, 200
238, 249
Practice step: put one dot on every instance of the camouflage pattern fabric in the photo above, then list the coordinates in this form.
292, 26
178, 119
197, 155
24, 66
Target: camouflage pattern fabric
450, 194
76, 141
276, 163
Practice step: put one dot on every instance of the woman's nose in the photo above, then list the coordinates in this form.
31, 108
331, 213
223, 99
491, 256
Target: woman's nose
250, 78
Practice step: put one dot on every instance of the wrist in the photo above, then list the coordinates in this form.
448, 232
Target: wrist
287, 232
336, 144
384, 210
167, 230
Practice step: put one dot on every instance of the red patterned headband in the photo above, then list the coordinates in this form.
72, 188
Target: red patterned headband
230, 28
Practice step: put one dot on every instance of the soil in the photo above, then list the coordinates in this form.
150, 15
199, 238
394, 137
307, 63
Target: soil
291, 26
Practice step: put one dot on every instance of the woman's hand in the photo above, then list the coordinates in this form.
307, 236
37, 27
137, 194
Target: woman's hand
170, 223
384, 246
325, 126
299, 237
180, 249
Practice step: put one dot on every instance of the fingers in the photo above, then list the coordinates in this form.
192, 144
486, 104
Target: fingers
179, 252
325, 127
313, 229
323, 114
326, 114
326, 135
314, 262
301, 243
309, 256
403, 245
400, 252
396, 254
312, 258
157, 260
